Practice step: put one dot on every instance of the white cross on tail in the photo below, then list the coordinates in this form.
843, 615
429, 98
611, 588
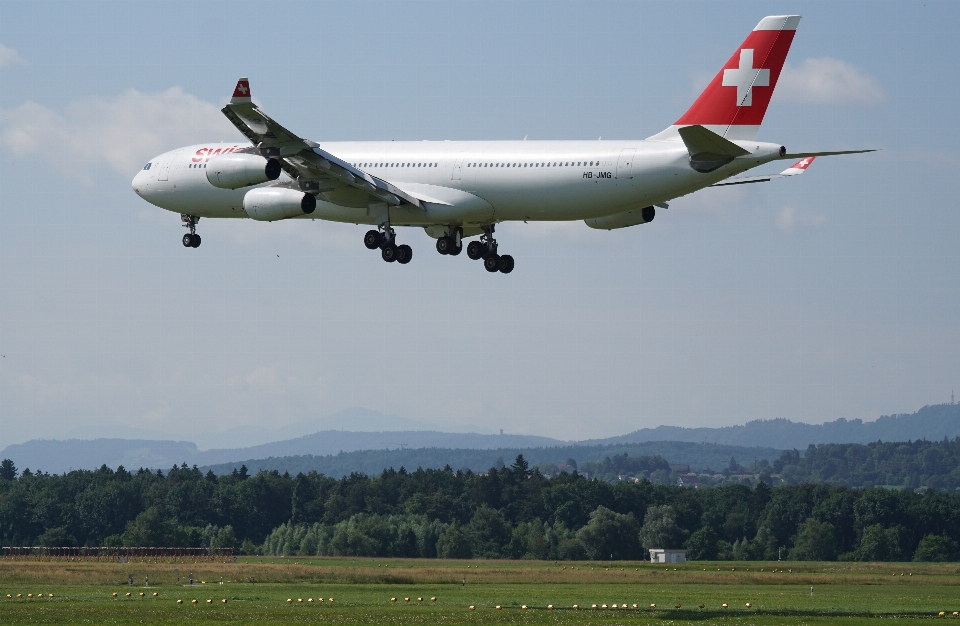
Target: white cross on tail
745, 78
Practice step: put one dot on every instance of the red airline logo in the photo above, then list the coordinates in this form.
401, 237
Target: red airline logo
746, 77
204, 154
752, 71
242, 90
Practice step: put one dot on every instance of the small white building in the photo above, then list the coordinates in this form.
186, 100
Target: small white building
660, 555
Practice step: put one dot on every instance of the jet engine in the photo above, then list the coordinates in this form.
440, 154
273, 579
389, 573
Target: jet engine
233, 171
268, 204
622, 220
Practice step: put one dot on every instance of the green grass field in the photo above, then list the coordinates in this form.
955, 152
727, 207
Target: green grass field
362, 589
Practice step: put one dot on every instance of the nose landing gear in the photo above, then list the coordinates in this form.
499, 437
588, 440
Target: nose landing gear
191, 239
486, 249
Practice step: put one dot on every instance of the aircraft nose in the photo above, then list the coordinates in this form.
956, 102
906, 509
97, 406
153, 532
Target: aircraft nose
137, 182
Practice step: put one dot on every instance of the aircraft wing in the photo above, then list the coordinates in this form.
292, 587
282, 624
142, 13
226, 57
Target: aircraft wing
794, 170
314, 169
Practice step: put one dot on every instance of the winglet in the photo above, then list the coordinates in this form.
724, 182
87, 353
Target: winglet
241, 93
799, 167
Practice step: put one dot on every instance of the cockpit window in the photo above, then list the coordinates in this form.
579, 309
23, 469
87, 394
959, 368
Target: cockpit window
146, 167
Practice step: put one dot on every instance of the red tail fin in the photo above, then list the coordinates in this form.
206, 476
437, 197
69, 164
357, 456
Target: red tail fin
735, 101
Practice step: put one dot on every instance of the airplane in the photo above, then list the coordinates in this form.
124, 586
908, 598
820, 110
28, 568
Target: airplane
457, 190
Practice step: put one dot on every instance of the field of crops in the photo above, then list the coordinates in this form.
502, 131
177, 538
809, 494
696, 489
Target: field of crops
377, 591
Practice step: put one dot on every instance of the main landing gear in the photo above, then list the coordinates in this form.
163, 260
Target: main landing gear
389, 250
450, 244
486, 249
191, 239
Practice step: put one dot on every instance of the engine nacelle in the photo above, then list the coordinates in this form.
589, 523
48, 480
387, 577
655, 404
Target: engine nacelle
622, 220
268, 204
233, 171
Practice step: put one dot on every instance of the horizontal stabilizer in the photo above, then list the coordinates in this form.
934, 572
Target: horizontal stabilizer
701, 141
803, 155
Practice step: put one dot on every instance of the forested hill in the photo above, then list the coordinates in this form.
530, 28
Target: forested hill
372, 462
913, 464
932, 422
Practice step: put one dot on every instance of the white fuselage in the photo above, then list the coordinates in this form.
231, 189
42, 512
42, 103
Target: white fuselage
469, 183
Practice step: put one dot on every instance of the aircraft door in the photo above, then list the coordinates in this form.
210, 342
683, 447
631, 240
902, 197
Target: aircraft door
457, 167
166, 165
625, 164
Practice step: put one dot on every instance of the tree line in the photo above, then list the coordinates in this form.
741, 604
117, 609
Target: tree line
910, 464
509, 512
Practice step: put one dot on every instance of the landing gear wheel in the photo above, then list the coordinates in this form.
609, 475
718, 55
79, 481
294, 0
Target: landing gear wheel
492, 263
404, 254
455, 250
506, 264
372, 240
445, 245
191, 239
475, 250
389, 252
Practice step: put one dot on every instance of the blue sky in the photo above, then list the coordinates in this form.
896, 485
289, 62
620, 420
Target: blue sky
834, 295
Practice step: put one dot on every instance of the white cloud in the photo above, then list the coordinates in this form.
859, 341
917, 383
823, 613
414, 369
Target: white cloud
790, 221
825, 80
9, 56
121, 133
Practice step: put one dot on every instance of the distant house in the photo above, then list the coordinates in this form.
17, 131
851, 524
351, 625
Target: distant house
679, 468
660, 555
689, 480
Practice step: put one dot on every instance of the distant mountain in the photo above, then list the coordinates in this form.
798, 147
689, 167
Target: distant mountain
334, 441
355, 419
932, 423
697, 455
57, 456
